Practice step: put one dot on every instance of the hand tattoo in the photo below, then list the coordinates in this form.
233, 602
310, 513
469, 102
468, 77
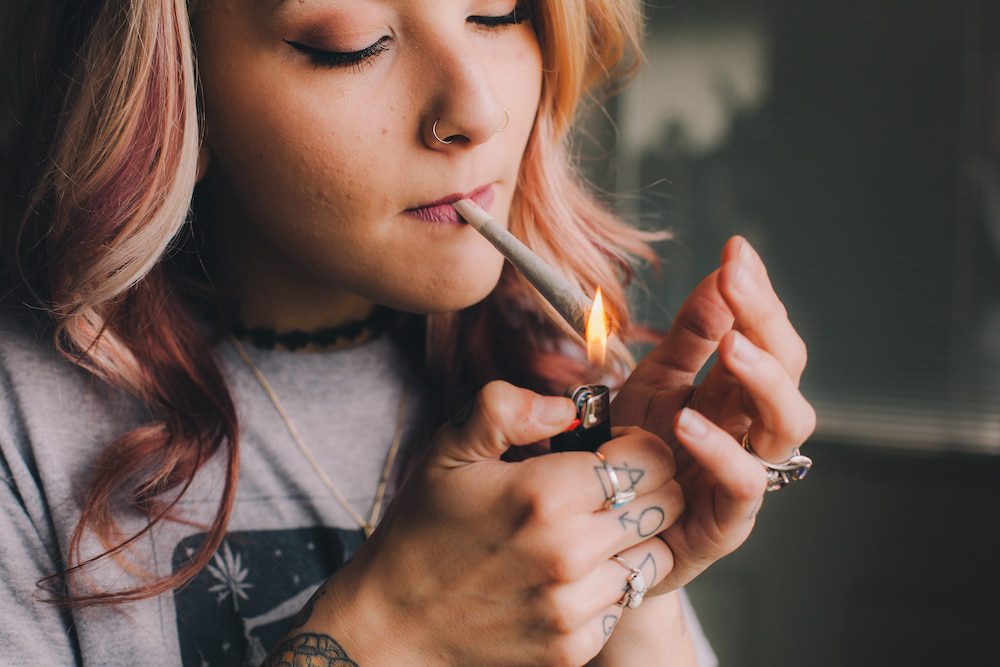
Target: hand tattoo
632, 475
649, 522
310, 649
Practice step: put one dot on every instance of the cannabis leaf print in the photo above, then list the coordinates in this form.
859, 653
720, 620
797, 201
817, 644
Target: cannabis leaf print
228, 570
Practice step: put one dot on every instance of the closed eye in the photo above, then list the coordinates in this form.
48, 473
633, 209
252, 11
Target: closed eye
519, 15
322, 58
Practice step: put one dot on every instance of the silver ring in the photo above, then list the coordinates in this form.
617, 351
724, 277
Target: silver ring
779, 475
434, 131
506, 122
635, 589
618, 497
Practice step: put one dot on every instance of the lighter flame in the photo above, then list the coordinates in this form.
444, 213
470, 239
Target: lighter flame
597, 332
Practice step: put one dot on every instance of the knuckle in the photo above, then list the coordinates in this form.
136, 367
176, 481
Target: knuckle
541, 505
563, 565
665, 457
801, 355
780, 311
653, 446
704, 318
751, 486
556, 618
673, 500
807, 424
492, 401
664, 556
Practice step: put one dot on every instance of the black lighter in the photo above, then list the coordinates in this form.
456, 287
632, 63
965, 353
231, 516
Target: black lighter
593, 420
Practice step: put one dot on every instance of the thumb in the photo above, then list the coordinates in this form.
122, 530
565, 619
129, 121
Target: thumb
500, 415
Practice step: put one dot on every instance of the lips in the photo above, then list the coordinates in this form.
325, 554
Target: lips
441, 210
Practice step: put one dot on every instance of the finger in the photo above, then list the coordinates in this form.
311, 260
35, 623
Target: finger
568, 546
501, 415
609, 619
741, 478
786, 419
579, 483
615, 530
606, 584
744, 283
701, 322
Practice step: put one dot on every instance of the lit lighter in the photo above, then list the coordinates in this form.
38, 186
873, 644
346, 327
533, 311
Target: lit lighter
592, 427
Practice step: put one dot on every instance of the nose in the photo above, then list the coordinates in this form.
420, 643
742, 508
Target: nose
464, 110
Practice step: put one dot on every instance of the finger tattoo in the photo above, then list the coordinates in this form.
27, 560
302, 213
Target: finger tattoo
609, 624
625, 472
649, 521
650, 563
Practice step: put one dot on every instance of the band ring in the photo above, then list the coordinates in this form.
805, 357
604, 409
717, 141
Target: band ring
780, 475
636, 587
619, 498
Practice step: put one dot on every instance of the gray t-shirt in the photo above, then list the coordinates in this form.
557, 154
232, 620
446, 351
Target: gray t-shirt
287, 532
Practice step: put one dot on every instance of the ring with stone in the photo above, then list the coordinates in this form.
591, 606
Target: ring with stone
619, 498
780, 475
635, 585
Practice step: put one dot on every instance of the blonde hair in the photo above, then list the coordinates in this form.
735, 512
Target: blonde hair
114, 141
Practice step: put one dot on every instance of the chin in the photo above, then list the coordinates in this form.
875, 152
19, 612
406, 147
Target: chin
445, 294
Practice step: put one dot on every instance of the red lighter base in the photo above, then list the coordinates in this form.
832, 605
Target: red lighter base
572, 425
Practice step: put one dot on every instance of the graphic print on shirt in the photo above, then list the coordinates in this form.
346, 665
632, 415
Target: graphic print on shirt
240, 605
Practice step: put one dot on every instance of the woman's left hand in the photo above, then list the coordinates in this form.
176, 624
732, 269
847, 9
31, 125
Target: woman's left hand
753, 386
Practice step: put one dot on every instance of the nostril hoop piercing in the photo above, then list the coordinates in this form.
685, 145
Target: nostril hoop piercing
434, 132
506, 122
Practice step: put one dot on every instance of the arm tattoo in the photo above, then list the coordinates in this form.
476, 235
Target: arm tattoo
310, 648
648, 523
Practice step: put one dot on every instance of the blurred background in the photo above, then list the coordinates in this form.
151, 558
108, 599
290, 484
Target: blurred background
856, 144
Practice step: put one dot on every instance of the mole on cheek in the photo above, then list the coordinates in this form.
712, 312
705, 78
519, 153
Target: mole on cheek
385, 131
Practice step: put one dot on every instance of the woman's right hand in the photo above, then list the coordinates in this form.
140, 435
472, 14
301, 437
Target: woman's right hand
484, 562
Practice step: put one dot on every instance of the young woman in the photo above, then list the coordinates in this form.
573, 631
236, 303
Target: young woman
241, 318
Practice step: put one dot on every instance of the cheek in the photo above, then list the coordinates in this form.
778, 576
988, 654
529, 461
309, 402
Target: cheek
300, 158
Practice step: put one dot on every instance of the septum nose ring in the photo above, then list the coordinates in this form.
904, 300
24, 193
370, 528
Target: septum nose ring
506, 122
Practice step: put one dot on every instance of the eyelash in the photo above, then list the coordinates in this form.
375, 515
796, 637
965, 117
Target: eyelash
366, 56
353, 59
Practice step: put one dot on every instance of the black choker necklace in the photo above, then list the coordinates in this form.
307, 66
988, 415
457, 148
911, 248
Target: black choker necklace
345, 335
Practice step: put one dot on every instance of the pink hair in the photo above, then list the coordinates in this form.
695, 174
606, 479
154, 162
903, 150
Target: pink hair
108, 143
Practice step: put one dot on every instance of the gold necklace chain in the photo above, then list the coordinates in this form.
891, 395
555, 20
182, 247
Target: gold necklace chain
367, 526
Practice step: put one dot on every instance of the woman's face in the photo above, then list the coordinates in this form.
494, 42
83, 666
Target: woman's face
318, 158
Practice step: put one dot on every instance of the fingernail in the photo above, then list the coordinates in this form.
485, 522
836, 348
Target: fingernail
744, 350
744, 280
572, 425
692, 424
746, 254
554, 410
